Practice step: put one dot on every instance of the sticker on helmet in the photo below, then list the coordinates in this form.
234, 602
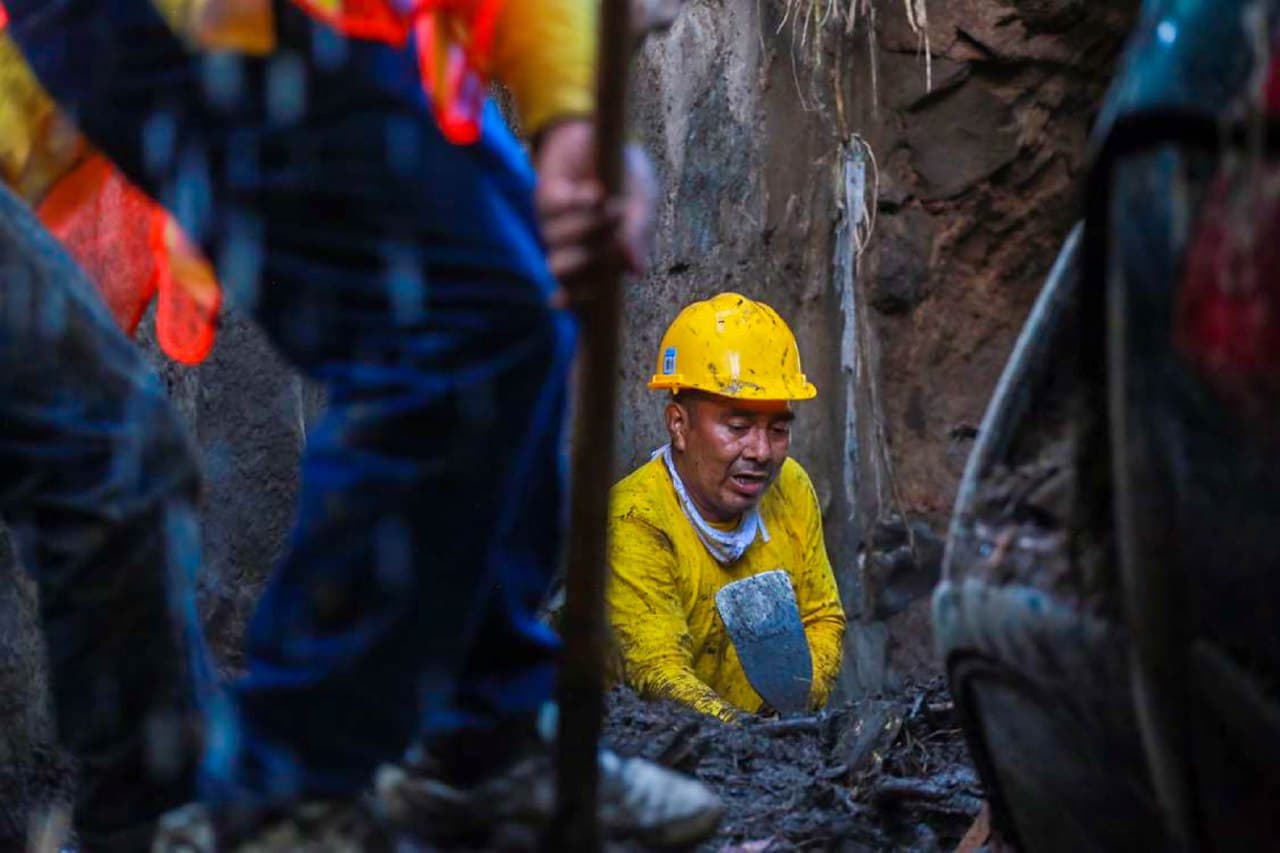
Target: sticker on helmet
669, 361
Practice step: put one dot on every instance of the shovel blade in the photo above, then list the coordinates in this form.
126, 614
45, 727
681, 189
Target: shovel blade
763, 620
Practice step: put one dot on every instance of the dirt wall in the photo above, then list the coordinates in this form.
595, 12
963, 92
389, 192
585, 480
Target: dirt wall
980, 181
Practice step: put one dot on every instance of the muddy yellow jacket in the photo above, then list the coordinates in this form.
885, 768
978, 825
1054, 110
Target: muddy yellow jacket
671, 642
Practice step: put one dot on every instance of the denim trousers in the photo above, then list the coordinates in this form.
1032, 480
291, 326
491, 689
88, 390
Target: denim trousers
98, 488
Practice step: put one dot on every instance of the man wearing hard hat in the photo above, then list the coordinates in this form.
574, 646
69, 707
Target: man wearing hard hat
721, 504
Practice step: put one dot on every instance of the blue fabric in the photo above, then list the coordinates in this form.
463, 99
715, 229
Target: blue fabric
98, 488
407, 275
1191, 55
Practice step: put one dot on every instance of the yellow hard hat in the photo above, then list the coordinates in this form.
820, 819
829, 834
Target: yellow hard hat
734, 347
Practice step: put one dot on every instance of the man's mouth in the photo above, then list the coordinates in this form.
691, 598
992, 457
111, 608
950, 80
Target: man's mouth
749, 484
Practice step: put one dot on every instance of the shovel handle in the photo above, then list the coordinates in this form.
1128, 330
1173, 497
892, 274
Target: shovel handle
581, 689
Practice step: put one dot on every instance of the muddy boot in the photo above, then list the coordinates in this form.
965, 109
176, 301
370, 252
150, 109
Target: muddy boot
316, 826
639, 801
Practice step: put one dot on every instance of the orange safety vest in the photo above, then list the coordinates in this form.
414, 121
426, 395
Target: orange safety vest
134, 252
454, 43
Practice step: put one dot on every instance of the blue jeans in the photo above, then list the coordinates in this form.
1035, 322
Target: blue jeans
407, 275
98, 488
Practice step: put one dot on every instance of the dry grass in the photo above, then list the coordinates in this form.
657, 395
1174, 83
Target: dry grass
811, 19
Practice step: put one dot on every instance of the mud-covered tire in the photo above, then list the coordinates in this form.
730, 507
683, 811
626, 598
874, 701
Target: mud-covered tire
1042, 684
1042, 691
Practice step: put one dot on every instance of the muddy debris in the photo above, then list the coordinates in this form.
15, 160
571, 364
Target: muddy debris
1021, 524
879, 774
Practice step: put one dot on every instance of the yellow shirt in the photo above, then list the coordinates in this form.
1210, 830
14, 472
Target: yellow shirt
670, 638
37, 144
545, 54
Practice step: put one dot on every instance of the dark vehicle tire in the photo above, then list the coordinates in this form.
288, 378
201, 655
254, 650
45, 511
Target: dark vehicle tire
1039, 671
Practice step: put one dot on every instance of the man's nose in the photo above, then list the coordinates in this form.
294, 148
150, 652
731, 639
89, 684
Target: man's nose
758, 448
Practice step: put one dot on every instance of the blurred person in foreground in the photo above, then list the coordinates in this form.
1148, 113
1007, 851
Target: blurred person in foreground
98, 487
361, 196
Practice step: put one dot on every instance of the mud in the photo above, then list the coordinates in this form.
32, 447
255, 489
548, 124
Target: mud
1023, 517
872, 775
1020, 523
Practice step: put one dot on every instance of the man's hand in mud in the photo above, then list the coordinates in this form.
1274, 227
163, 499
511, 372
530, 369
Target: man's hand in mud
587, 235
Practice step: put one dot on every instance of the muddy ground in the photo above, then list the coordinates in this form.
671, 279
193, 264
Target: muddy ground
890, 774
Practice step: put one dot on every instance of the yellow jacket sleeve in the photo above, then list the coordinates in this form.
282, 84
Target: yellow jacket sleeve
819, 601
545, 54
649, 625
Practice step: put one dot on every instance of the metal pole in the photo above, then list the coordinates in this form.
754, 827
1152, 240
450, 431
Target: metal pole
581, 690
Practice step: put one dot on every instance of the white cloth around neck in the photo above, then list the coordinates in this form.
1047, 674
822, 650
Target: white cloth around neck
726, 546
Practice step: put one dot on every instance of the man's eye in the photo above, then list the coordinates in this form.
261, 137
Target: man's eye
738, 427
782, 429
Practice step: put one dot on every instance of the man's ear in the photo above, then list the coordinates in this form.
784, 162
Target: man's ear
677, 424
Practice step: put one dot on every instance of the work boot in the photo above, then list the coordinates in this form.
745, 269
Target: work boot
639, 801
317, 826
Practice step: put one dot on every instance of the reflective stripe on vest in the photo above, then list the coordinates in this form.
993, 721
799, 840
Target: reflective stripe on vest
373, 20
188, 297
455, 76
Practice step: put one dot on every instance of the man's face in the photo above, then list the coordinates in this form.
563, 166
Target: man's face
727, 451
